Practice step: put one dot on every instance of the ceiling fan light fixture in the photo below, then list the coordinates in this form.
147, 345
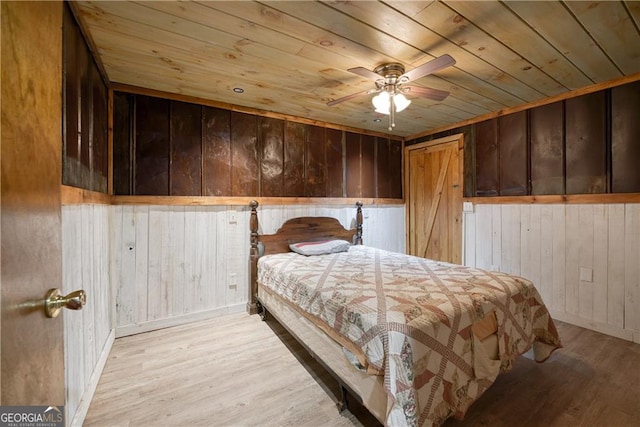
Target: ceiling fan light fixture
381, 102
401, 102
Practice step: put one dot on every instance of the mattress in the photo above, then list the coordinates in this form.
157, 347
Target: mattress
412, 320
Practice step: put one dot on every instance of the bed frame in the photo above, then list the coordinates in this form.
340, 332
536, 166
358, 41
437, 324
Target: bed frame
366, 389
302, 229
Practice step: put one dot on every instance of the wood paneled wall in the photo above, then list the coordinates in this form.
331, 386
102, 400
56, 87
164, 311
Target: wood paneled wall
88, 333
85, 162
168, 147
582, 145
172, 264
583, 259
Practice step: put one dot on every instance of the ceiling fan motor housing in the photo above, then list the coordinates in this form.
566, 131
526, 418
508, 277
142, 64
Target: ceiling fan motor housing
390, 73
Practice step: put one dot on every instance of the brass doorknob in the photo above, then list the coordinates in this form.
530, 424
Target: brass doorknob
54, 301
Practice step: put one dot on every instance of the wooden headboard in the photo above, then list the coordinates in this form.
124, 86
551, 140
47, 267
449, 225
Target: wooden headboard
301, 229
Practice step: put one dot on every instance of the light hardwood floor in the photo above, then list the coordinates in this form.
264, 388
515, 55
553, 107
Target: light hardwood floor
239, 371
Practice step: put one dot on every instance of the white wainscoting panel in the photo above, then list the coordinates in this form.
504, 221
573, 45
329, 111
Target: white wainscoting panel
87, 333
583, 259
172, 264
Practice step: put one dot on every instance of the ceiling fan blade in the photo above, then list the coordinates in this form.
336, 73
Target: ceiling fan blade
361, 71
432, 66
427, 92
353, 95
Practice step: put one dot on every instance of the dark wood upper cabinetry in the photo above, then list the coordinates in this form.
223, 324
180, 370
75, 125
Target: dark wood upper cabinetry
589, 144
85, 162
164, 147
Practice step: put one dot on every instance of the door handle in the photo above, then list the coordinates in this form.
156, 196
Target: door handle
54, 301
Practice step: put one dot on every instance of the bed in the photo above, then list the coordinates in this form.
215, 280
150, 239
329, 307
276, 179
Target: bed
416, 341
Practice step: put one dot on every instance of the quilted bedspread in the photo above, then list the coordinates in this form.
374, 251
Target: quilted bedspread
410, 319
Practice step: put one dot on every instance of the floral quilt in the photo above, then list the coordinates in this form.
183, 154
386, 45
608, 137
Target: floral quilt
410, 319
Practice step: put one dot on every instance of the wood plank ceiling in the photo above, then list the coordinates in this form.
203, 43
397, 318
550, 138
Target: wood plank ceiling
292, 57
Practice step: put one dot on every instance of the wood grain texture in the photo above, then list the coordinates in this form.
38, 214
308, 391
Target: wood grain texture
434, 199
72, 140
80, 196
31, 170
303, 229
353, 162
590, 374
295, 148
293, 159
316, 165
625, 134
395, 165
85, 125
151, 172
122, 143
140, 90
85, 116
383, 167
553, 243
487, 158
556, 143
586, 145
272, 157
85, 265
506, 55
216, 141
245, 170
512, 143
549, 100
186, 149
171, 263
335, 164
244, 201
547, 149
100, 119
368, 178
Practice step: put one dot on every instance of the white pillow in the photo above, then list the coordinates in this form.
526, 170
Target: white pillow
320, 247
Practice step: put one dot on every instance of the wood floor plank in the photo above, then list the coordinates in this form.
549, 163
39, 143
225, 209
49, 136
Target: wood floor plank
238, 371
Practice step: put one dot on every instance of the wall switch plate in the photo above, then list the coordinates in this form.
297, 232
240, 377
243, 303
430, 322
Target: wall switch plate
467, 207
233, 280
586, 274
232, 216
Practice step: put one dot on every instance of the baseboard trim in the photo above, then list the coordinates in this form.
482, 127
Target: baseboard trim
87, 396
152, 325
603, 328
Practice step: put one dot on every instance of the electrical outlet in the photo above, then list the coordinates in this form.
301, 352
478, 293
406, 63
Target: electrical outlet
233, 280
586, 274
232, 216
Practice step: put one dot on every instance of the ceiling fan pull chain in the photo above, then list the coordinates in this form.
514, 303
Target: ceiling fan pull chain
392, 111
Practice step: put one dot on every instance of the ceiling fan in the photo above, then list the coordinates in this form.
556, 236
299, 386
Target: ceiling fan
390, 79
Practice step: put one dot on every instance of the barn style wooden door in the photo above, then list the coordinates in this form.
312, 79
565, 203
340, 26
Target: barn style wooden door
433, 182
